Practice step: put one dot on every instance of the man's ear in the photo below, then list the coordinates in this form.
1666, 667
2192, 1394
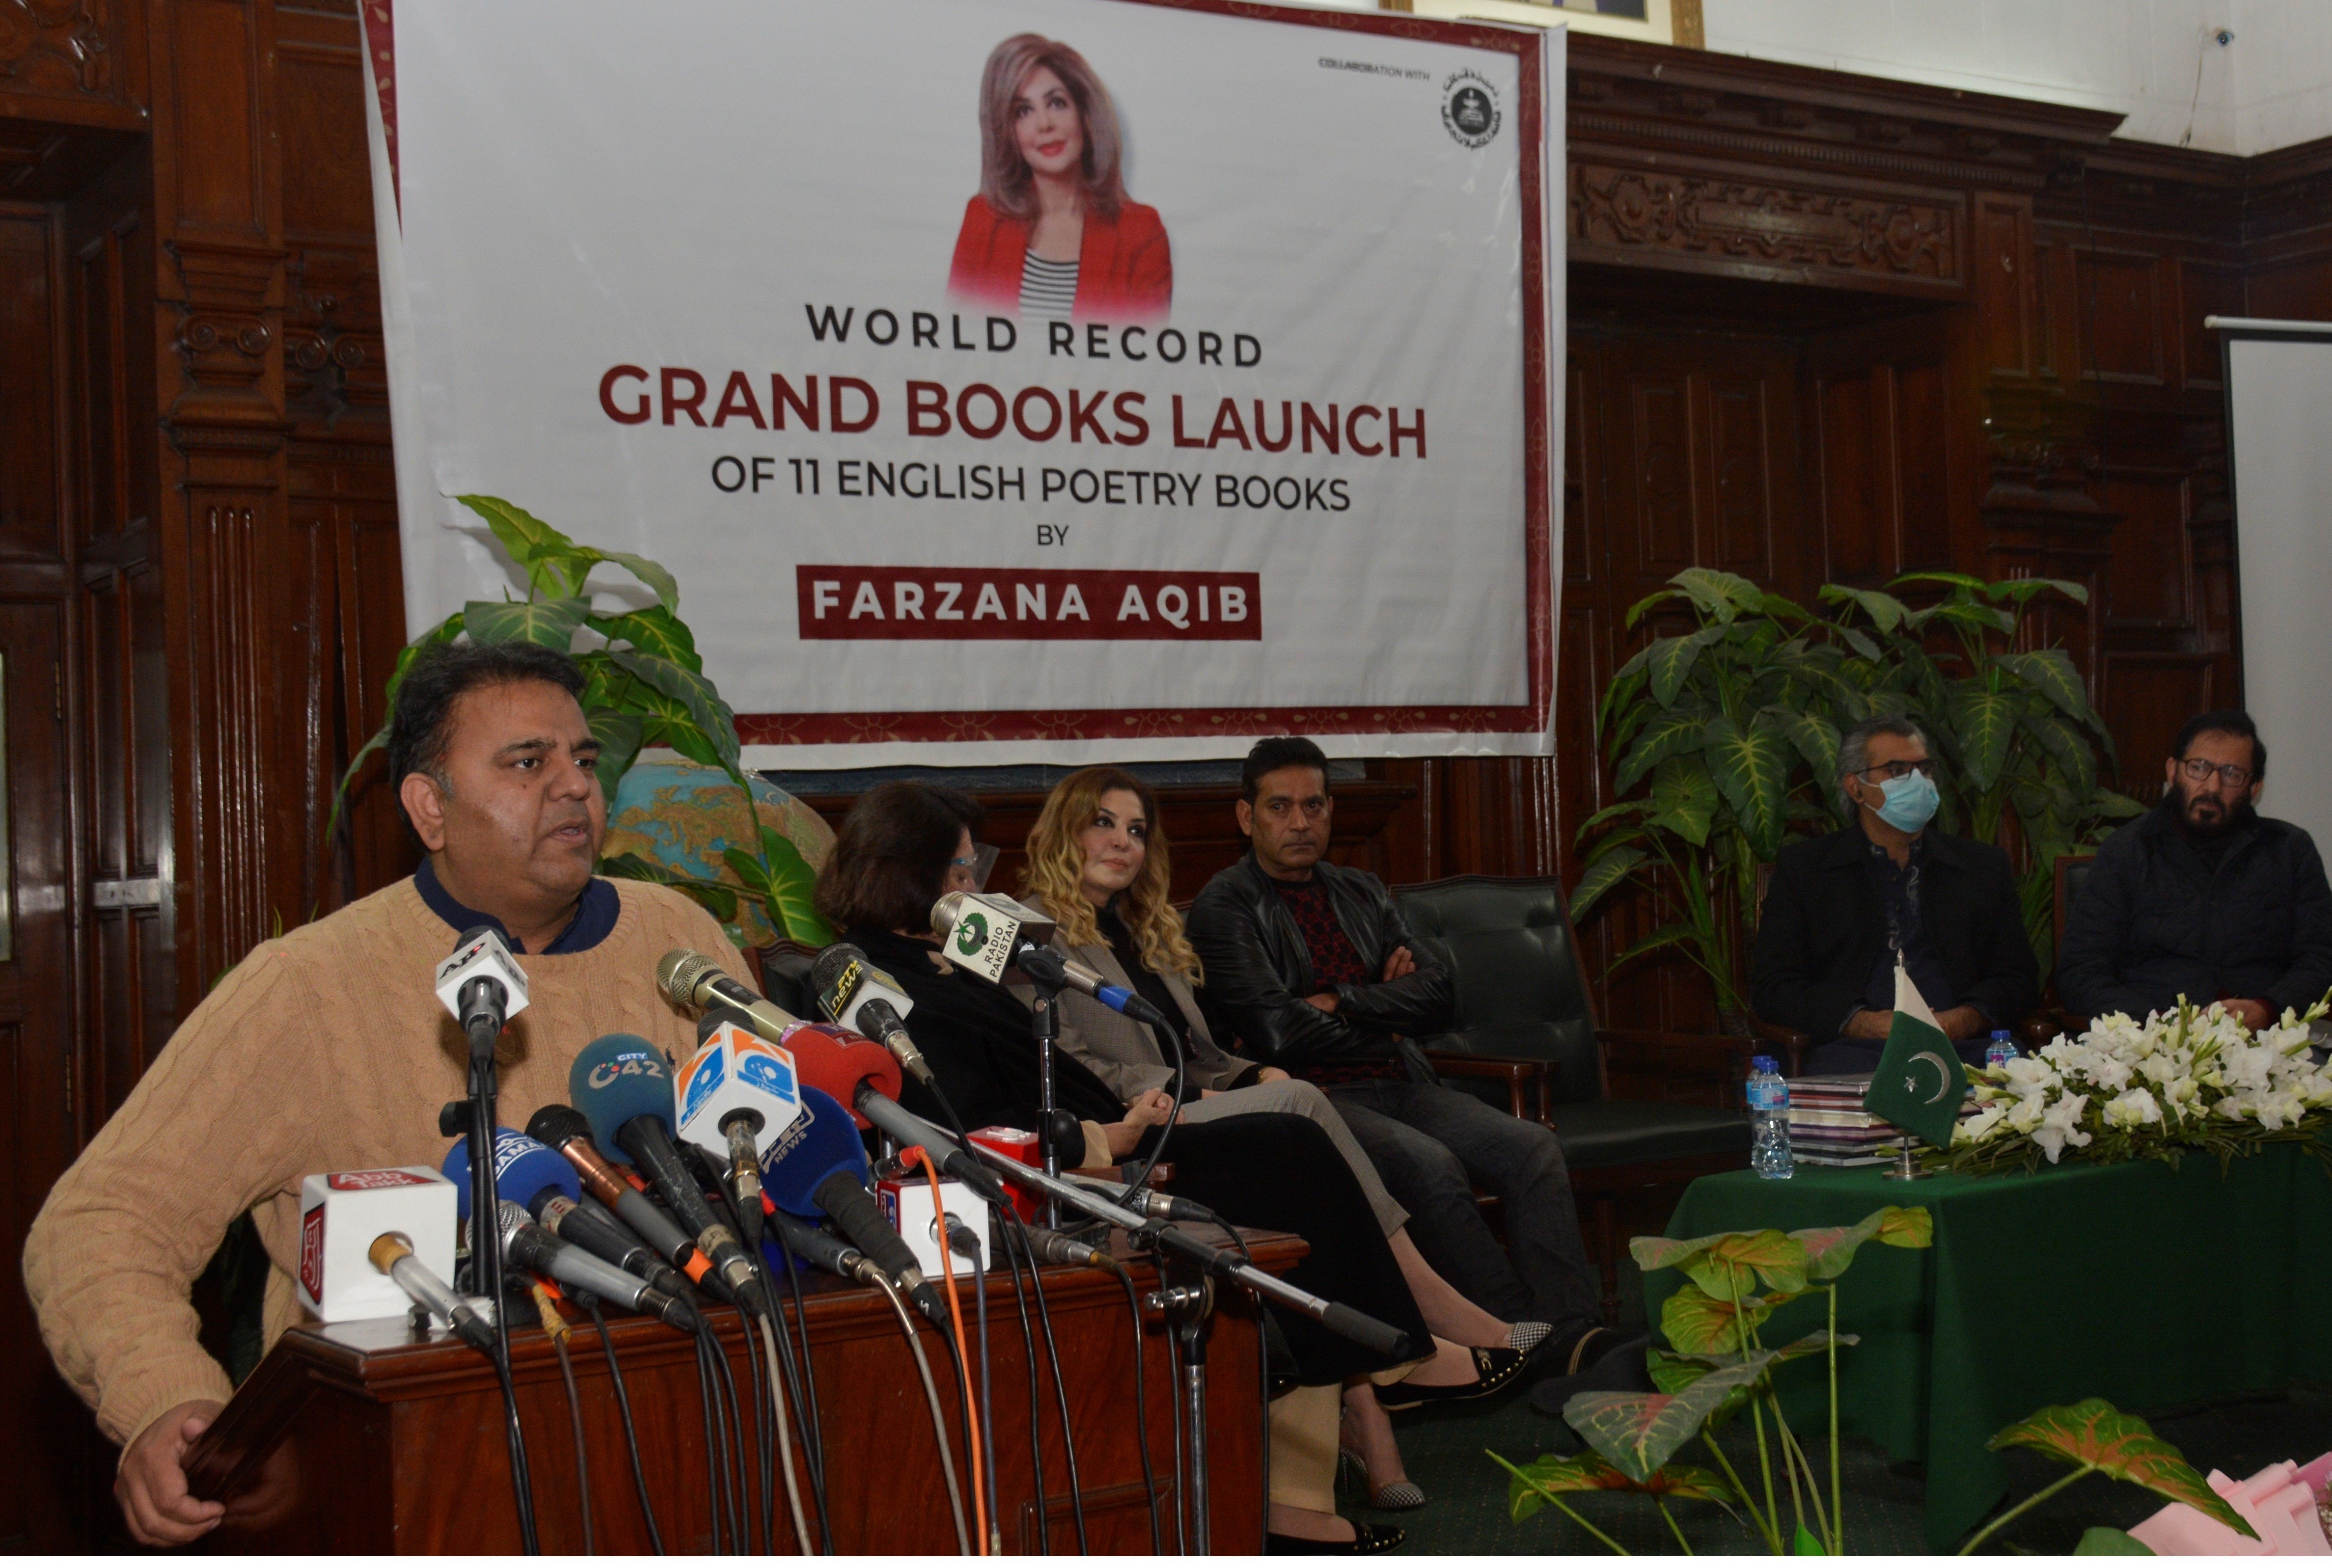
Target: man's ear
424, 807
1246, 814
2170, 771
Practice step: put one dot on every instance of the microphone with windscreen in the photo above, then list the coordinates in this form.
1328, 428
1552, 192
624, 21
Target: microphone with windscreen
861, 1075
691, 980
862, 998
818, 1170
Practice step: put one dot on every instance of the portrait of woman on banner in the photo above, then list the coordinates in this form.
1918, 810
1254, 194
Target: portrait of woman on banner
1052, 233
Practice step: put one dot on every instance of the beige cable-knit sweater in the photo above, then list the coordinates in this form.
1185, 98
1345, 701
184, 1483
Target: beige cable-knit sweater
325, 1050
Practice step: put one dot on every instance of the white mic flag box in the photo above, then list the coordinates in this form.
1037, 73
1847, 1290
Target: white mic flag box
907, 1204
342, 1212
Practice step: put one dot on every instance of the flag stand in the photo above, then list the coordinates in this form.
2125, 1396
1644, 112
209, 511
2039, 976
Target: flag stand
1905, 1170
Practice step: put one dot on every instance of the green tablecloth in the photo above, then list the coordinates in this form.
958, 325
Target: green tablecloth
2136, 1283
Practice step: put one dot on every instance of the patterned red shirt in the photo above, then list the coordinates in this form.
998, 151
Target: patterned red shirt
1334, 962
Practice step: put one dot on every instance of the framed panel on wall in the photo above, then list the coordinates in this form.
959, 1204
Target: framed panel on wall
1677, 22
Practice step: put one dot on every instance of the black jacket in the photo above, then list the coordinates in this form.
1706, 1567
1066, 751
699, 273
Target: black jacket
1823, 931
1258, 973
2152, 922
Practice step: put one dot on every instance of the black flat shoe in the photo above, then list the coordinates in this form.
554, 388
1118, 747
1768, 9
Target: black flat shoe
1493, 1370
1367, 1541
1621, 1369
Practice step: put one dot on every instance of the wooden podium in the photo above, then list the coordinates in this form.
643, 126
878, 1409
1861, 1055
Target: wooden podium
373, 1438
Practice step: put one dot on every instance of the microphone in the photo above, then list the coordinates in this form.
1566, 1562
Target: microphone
481, 987
858, 1073
1052, 1246
529, 1246
623, 1089
545, 1186
1144, 1200
392, 1254
860, 997
694, 981
1002, 939
813, 1245
819, 1169
565, 1130
737, 1095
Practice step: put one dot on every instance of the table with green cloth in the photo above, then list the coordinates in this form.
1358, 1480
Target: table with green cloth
2136, 1283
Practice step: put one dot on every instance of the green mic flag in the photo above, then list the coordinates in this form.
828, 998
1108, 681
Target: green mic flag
1919, 1083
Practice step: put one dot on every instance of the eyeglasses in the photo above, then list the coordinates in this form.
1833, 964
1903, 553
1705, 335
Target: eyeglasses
969, 873
1888, 771
2230, 776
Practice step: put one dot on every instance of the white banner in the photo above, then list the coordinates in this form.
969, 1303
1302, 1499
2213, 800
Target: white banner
1002, 380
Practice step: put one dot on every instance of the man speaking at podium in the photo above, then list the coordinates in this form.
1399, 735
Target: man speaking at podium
327, 1050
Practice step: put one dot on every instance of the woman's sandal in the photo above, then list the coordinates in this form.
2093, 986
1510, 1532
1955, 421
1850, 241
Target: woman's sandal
1396, 1496
1493, 1370
1367, 1541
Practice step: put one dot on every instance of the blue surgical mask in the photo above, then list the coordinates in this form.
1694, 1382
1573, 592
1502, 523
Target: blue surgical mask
1911, 803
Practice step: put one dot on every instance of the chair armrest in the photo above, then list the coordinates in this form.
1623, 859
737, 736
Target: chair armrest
1793, 1042
2045, 1024
1519, 1073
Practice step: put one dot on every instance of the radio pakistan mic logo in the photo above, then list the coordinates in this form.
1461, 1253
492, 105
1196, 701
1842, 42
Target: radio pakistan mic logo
1469, 107
972, 934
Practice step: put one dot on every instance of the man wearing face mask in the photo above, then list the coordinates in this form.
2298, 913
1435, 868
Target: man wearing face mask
2202, 898
1839, 908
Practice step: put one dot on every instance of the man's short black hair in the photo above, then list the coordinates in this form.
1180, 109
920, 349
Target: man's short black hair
420, 725
2224, 721
1278, 752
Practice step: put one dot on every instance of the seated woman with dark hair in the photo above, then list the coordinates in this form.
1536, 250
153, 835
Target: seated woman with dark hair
1098, 864
904, 844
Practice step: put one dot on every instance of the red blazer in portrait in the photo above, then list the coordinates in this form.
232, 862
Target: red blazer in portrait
1125, 272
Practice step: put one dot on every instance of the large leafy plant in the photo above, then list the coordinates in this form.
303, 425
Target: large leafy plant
643, 686
2012, 725
1716, 1367
1731, 728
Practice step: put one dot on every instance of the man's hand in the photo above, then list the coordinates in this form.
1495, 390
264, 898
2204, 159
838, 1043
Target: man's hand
151, 1484
1869, 1025
1400, 962
2256, 1014
1271, 1075
1963, 1022
1325, 1000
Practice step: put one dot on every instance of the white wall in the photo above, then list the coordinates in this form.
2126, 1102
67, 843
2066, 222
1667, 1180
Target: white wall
2156, 62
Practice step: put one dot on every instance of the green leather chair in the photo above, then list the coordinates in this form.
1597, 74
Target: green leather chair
1638, 1111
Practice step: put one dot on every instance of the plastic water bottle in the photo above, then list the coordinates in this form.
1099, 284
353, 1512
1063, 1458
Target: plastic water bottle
2001, 1050
1769, 1121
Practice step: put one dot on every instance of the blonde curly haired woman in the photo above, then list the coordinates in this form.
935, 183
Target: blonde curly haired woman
1098, 864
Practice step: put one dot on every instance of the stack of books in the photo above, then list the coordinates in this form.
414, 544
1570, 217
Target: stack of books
1828, 1126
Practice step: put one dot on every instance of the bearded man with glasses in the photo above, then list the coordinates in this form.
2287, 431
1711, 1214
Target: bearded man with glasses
2202, 898
1839, 908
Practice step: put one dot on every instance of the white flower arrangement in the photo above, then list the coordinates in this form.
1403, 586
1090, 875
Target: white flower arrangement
2192, 1079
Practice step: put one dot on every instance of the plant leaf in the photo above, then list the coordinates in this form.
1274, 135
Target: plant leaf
1735, 1263
1671, 732
2104, 1541
667, 590
1815, 737
1606, 873
2050, 672
1672, 659
1639, 1433
1831, 1247
1697, 1323
656, 630
540, 551
2024, 590
1984, 722
619, 736
1955, 579
2095, 1434
1722, 594
1886, 611
1912, 1228
546, 623
1684, 800
712, 715
1752, 767
1590, 1472
793, 885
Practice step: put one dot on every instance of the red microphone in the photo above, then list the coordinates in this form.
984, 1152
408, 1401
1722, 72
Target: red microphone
840, 1062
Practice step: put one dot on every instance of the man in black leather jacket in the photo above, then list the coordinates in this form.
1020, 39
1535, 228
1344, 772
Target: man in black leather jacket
1308, 964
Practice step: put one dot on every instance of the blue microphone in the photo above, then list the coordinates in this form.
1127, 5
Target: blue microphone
818, 1170
523, 1170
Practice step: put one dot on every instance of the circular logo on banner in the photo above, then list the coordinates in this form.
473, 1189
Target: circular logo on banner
1469, 107
971, 935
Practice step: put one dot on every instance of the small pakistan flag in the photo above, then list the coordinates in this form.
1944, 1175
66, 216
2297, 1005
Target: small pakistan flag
1919, 1083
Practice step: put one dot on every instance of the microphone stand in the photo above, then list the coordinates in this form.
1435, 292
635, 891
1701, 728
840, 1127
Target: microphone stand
1048, 1016
486, 1258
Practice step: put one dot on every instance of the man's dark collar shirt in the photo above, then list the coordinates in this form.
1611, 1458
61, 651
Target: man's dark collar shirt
1906, 932
595, 915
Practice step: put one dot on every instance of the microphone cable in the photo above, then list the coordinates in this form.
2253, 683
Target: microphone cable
761, 1500
555, 1326
1182, 1098
1012, 1238
716, 1442
1060, 1393
486, 1267
779, 1384
1142, 1412
815, 1421
1181, 1474
971, 1416
939, 1417
631, 1431
741, 1496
